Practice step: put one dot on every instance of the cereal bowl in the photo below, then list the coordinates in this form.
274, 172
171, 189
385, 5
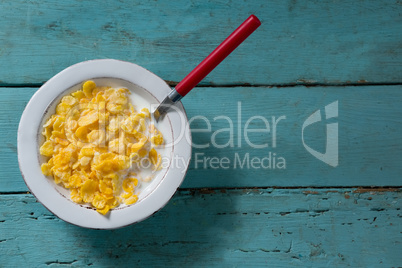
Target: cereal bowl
147, 90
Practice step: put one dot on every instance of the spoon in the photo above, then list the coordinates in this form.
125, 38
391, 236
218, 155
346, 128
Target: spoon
207, 65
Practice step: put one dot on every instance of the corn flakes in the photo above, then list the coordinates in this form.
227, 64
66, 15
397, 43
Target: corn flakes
91, 143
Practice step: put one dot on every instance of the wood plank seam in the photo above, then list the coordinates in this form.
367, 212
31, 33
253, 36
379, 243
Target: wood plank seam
358, 189
297, 84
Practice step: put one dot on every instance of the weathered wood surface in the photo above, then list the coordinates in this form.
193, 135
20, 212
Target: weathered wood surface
298, 42
328, 43
228, 228
370, 151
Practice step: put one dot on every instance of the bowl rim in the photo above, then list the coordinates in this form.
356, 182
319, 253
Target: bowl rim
28, 147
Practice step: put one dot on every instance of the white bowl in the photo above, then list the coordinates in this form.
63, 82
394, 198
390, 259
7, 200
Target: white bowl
144, 84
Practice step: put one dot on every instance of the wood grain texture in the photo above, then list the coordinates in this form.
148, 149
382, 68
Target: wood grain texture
298, 42
209, 222
369, 121
230, 228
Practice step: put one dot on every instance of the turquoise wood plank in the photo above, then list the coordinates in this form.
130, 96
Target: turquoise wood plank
299, 41
369, 126
276, 228
370, 151
12, 104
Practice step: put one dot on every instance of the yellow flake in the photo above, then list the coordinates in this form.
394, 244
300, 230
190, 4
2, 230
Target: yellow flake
69, 100
103, 187
62, 108
124, 90
88, 118
103, 114
117, 146
47, 133
76, 165
108, 197
112, 203
129, 124
63, 142
157, 140
74, 114
153, 155
141, 125
57, 134
96, 137
99, 202
106, 156
118, 99
47, 149
114, 108
49, 122
72, 124
85, 160
108, 166
88, 190
75, 181
45, 168
139, 116
78, 95
129, 184
82, 133
124, 162
137, 146
146, 112
75, 195
131, 200
142, 153
113, 124
155, 158
98, 93
126, 195
87, 151
87, 88
104, 210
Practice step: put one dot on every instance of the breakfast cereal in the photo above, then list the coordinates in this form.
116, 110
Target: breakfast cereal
94, 142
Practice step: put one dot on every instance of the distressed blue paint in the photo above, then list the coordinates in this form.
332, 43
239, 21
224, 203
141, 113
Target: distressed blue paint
324, 42
279, 228
299, 41
369, 136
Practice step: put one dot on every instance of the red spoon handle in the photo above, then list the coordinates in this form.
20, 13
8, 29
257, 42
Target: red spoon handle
218, 55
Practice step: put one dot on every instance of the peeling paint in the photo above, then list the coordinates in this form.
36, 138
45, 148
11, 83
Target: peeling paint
375, 190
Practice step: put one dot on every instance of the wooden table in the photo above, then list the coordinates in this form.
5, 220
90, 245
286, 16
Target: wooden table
305, 56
